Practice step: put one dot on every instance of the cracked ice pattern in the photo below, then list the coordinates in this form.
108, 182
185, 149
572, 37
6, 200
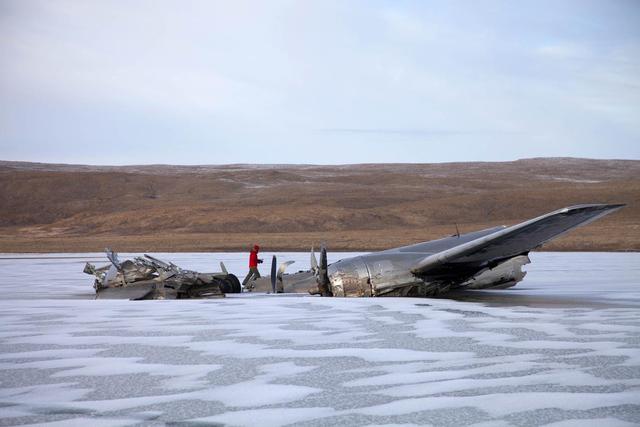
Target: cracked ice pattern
553, 351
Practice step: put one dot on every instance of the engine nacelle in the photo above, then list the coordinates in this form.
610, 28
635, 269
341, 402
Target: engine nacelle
502, 276
350, 278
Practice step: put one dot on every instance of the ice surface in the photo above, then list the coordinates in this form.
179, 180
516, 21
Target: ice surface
86, 421
561, 349
275, 416
598, 422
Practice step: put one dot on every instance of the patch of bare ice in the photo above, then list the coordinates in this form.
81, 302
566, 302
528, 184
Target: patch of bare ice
278, 360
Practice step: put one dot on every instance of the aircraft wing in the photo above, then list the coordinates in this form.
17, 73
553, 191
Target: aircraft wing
511, 241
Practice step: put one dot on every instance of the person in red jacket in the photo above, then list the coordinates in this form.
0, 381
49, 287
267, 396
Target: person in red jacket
253, 267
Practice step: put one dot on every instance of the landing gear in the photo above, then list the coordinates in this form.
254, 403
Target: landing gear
231, 285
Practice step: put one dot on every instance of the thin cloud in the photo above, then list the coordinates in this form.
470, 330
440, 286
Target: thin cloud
418, 132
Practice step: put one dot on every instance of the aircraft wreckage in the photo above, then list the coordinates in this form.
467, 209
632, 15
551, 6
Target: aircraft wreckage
147, 277
485, 259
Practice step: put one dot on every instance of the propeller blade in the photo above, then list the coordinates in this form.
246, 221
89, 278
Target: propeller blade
112, 256
323, 277
273, 274
323, 259
110, 277
314, 261
282, 268
223, 268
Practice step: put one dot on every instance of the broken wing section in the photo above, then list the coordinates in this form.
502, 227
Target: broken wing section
493, 249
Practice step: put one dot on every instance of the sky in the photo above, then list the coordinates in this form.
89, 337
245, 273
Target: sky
322, 82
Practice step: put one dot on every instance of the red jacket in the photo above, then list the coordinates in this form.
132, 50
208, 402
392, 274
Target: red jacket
253, 256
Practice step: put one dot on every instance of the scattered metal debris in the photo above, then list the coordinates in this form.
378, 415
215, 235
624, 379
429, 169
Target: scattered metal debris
147, 277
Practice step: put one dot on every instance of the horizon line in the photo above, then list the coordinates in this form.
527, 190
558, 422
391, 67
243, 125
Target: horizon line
25, 162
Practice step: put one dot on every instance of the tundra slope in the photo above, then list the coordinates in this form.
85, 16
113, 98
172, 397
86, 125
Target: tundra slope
350, 207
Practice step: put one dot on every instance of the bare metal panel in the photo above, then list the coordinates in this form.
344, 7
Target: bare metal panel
350, 278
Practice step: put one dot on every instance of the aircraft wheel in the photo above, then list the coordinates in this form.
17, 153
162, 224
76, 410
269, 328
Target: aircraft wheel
232, 285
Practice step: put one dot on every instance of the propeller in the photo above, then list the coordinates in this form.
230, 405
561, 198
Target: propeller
320, 271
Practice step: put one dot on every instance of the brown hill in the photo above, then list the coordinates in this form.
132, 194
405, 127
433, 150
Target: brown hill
47, 207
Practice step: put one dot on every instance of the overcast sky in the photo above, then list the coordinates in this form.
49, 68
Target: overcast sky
195, 82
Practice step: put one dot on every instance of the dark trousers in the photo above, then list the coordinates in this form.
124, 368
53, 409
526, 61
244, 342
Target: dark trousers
251, 275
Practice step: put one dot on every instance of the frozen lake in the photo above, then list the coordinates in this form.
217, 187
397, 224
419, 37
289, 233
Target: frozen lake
561, 349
